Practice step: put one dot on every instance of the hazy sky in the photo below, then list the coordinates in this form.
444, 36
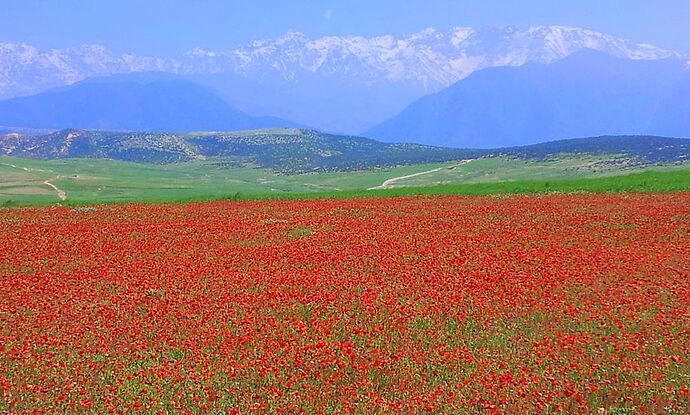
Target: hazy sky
169, 27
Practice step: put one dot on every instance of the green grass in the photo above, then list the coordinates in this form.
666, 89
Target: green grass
648, 181
91, 181
504, 169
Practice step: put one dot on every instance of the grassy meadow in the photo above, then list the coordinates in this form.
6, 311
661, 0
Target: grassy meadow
87, 181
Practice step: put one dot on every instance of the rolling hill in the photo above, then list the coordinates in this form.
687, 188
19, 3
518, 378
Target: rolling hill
287, 150
651, 149
587, 94
94, 166
301, 150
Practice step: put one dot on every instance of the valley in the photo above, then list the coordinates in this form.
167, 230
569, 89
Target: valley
80, 180
83, 166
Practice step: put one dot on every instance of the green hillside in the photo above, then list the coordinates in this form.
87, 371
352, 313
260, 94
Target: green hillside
30, 182
77, 166
294, 151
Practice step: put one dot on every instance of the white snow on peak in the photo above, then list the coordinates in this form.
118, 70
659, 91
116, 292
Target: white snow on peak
428, 60
461, 34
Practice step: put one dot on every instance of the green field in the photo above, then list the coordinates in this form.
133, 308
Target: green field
79, 181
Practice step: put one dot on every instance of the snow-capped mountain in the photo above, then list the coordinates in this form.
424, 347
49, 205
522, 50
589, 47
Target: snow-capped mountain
26, 70
586, 94
335, 83
431, 59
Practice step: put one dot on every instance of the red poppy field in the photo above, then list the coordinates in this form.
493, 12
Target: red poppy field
524, 304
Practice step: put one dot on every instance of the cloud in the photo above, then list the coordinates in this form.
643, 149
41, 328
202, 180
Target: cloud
328, 14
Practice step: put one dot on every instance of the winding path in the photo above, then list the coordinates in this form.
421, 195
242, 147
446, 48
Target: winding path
22, 168
61, 194
391, 182
16, 167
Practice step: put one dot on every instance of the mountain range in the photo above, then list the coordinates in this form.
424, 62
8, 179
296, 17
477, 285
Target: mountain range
132, 102
346, 84
588, 93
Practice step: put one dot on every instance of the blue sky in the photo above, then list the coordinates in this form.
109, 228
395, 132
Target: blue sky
169, 27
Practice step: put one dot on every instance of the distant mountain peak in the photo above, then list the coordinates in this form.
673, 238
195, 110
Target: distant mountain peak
291, 36
140, 101
587, 93
323, 81
199, 53
461, 34
430, 58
